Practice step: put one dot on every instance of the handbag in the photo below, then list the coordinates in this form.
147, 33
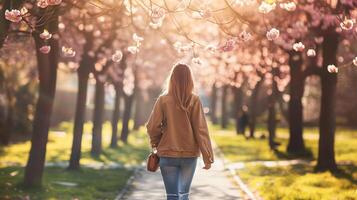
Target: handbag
152, 162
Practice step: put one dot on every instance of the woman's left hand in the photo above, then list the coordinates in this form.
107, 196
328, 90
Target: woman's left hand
207, 166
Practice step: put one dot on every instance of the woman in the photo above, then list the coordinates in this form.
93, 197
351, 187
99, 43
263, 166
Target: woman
178, 130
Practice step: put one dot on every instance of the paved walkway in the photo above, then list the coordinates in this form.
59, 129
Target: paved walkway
213, 184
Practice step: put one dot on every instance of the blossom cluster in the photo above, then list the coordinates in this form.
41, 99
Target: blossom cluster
46, 3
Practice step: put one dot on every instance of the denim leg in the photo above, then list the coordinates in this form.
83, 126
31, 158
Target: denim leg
170, 171
188, 167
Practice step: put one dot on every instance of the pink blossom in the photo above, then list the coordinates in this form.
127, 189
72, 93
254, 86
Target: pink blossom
14, 15
42, 3
68, 52
289, 6
54, 2
332, 69
117, 56
61, 26
311, 53
46, 3
273, 34
355, 61
45, 49
266, 7
45, 35
299, 46
229, 45
347, 24
245, 36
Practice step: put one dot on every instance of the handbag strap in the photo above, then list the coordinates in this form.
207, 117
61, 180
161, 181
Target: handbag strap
154, 150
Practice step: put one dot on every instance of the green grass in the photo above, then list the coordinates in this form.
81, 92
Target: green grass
300, 182
295, 181
237, 148
59, 148
92, 183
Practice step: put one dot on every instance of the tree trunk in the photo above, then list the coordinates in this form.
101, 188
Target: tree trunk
98, 115
85, 67
252, 108
272, 112
224, 115
74, 162
297, 84
5, 133
326, 153
213, 113
8, 124
115, 118
139, 109
238, 101
271, 125
47, 68
128, 102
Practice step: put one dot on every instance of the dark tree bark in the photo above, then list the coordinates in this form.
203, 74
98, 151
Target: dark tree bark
284, 111
224, 115
213, 110
272, 111
98, 115
85, 67
128, 103
271, 123
139, 110
238, 102
47, 67
297, 84
253, 108
79, 120
7, 127
326, 153
116, 116
5, 132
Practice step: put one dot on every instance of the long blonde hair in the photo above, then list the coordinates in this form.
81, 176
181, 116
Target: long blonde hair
180, 85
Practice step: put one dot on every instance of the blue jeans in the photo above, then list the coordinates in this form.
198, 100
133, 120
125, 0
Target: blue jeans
177, 174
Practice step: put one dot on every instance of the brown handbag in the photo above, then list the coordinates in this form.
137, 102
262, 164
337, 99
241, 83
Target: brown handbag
152, 162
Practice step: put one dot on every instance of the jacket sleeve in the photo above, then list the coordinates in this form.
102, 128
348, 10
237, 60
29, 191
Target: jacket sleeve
200, 130
154, 124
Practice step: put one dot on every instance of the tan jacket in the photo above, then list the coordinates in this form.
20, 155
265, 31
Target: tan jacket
177, 133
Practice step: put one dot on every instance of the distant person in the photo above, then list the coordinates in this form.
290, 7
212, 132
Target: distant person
243, 120
177, 128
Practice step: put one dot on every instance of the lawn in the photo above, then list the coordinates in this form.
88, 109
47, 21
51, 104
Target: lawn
294, 181
89, 183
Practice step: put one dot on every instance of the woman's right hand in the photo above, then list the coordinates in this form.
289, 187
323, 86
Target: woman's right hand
207, 166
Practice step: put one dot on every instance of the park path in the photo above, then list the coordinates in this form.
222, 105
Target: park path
210, 184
